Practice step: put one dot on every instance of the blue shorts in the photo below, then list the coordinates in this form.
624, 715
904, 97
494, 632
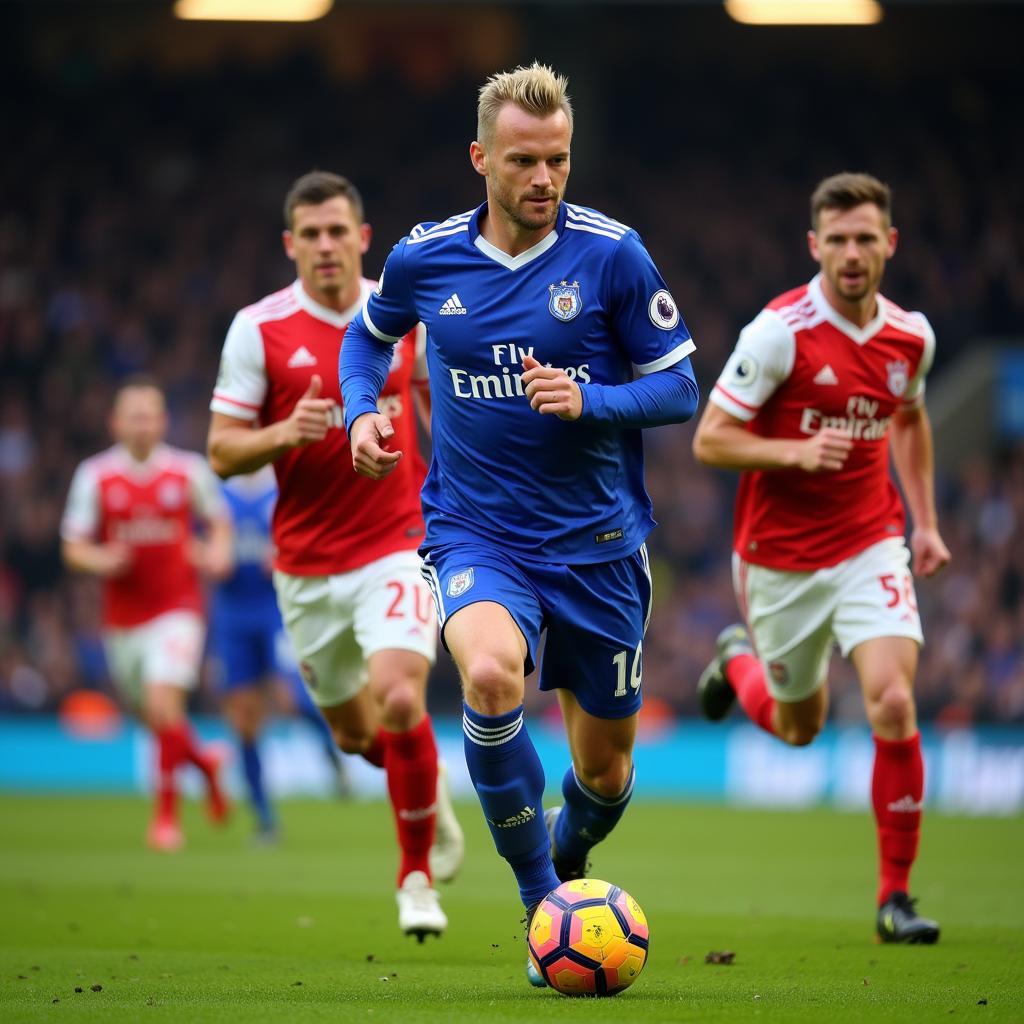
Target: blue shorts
250, 652
595, 616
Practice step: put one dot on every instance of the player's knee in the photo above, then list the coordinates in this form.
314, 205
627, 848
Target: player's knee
609, 778
350, 742
401, 705
493, 684
892, 710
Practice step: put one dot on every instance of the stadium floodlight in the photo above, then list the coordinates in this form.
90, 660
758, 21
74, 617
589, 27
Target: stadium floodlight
804, 12
251, 10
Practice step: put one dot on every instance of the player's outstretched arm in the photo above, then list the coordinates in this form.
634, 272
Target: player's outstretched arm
723, 440
236, 446
914, 458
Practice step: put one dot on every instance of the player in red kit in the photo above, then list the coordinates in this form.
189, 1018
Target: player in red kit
129, 520
822, 387
346, 571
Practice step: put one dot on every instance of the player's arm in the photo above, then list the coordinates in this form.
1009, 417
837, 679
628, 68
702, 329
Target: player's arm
666, 396
364, 364
723, 440
80, 550
236, 445
914, 459
213, 552
421, 381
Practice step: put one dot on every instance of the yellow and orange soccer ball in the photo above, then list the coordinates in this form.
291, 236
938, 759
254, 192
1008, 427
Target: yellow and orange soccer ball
589, 938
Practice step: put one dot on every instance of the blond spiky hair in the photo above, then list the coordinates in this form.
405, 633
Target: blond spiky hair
536, 89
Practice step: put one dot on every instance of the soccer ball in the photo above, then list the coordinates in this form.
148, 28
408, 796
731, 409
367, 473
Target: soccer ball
588, 938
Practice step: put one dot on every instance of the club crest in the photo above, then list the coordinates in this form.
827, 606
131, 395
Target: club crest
564, 302
460, 582
899, 376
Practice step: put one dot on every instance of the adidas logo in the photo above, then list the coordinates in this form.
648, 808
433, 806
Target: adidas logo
453, 306
301, 357
527, 814
826, 375
906, 805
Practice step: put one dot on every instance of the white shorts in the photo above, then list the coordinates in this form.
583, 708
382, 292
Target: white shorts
336, 622
167, 650
795, 617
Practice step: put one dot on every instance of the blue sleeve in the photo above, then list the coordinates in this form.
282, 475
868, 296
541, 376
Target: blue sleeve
644, 315
666, 396
365, 360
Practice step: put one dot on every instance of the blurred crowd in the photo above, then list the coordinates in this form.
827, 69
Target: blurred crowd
141, 212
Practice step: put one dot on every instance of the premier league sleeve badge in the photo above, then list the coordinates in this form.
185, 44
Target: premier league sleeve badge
564, 302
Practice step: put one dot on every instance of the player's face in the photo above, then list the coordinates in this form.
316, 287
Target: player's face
852, 247
327, 243
139, 420
526, 165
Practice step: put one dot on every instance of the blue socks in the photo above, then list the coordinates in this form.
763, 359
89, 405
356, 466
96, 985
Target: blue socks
586, 817
509, 781
253, 768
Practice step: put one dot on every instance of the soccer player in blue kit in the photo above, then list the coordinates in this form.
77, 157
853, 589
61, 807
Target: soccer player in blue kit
248, 639
552, 340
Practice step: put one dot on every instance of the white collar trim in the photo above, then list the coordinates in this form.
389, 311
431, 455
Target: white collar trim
325, 313
515, 262
861, 335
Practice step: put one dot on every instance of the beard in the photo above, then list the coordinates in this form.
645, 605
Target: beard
516, 210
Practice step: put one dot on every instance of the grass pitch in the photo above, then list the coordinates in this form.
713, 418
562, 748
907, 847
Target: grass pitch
307, 931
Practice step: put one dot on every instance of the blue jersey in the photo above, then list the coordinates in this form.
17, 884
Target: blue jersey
588, 299
248, 593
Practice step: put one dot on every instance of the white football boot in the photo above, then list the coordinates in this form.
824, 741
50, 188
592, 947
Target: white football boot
419, 907
449, 847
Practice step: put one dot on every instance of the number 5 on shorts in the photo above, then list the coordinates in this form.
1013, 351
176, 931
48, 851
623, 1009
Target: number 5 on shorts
636, 673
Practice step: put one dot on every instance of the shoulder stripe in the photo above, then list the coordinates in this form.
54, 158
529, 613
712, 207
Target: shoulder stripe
431, 235
273, 307
594, 231
427, 228
576, 219
585, 213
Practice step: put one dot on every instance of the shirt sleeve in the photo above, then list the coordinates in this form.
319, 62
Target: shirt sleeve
81, 518
645, 316
669, 396
205, 494
242, 378
913, 397
390, 312
762, 360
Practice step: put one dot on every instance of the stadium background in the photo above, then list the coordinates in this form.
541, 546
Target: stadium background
140, 190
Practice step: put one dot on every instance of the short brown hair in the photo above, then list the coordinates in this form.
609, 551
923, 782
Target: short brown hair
536, 89
317, 187
846, 190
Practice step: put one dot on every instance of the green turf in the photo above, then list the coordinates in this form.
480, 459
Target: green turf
307, 931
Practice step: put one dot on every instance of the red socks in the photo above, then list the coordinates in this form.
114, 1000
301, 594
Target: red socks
746, 677
897, 791
169, 756
410, 760
374, 753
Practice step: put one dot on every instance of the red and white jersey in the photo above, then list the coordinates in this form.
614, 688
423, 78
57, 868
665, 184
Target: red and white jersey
152, 507
328, 519
801, 366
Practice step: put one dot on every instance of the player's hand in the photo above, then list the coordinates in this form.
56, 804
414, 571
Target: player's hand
551, 391
368, 437
113, 559
929, 551
212, 561
826, 452
310, 419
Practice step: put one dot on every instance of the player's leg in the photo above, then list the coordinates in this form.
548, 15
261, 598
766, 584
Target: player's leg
878, 627
593, 658
171, 661
596, 788
490, 619
245, 708
776, 669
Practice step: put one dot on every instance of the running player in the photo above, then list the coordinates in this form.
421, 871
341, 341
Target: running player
249, 643
129, 520
552, 340
805, 408
346, 570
